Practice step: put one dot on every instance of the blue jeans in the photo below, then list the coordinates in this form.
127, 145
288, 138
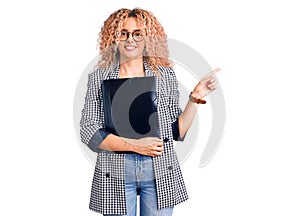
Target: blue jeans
140, 179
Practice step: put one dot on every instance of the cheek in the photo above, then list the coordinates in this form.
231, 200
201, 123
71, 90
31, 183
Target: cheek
141, 46
121, 48
119, 45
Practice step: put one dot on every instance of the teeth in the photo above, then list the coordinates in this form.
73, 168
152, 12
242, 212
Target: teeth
130, 47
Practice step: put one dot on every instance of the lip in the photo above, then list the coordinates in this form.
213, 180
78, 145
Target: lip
130, 47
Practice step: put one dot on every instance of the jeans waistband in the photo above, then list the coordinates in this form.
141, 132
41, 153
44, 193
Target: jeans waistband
139, 157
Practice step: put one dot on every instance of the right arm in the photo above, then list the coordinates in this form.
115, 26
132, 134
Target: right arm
151, 146
92, 130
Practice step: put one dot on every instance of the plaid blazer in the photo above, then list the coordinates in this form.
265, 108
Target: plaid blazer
108, 186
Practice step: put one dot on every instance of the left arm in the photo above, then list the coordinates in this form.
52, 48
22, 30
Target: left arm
203, 88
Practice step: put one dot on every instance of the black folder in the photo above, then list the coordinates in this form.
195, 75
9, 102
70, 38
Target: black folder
130, 107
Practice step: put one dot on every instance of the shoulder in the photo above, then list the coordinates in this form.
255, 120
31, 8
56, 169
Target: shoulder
165, 70
167, 74
96, 77
99, 74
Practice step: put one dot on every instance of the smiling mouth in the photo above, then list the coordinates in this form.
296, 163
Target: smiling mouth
130, 47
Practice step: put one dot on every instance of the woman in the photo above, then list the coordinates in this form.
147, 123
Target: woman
133, 44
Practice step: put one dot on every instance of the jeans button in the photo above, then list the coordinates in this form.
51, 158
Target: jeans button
166, 139
170, 167
107, 175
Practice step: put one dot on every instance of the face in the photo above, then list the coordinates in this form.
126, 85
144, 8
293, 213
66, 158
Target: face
132, 43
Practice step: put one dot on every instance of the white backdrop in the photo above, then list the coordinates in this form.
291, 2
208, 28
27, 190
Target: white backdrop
44, 48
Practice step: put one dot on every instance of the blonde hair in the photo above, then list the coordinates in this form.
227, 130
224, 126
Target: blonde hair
156, 47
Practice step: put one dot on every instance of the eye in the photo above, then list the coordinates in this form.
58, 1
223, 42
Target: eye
123, 33
137, 34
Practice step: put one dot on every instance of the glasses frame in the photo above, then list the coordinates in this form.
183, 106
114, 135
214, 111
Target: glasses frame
132, 35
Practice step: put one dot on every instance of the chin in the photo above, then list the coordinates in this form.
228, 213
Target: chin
131, 56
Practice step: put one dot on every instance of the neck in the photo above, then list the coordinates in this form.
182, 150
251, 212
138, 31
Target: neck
132, 68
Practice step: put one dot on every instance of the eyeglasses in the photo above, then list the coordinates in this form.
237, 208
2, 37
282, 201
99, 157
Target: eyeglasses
136, 35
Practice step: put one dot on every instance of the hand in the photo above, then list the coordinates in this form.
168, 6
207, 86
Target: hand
150, 146
206, 85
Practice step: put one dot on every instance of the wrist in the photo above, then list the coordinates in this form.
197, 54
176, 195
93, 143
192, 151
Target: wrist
130, 144
195, 99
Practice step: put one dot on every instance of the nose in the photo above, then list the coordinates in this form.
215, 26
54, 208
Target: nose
129, 37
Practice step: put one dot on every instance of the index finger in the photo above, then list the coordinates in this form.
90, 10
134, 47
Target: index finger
216, 70
212, 73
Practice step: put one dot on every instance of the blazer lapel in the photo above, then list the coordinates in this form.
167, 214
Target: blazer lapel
148, 71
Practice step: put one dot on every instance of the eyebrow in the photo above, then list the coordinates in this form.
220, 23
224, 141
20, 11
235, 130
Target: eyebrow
132, 31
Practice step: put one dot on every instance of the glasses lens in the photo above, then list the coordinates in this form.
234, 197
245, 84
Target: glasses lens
137, 36
123, 35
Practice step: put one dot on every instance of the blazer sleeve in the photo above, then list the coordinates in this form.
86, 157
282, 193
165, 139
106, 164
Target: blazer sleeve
92, 130
175, 109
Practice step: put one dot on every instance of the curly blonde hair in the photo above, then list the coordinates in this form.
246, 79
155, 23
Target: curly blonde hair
156, 48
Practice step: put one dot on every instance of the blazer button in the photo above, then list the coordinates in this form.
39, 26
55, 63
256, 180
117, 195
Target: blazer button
166, 139
170, 167
107, 175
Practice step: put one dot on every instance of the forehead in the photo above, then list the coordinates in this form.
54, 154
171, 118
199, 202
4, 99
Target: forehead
130, 24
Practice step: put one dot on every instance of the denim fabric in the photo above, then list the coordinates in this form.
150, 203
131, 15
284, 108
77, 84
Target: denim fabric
140, 180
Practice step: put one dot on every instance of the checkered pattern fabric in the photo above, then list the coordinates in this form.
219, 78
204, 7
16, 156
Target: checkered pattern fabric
108, 186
